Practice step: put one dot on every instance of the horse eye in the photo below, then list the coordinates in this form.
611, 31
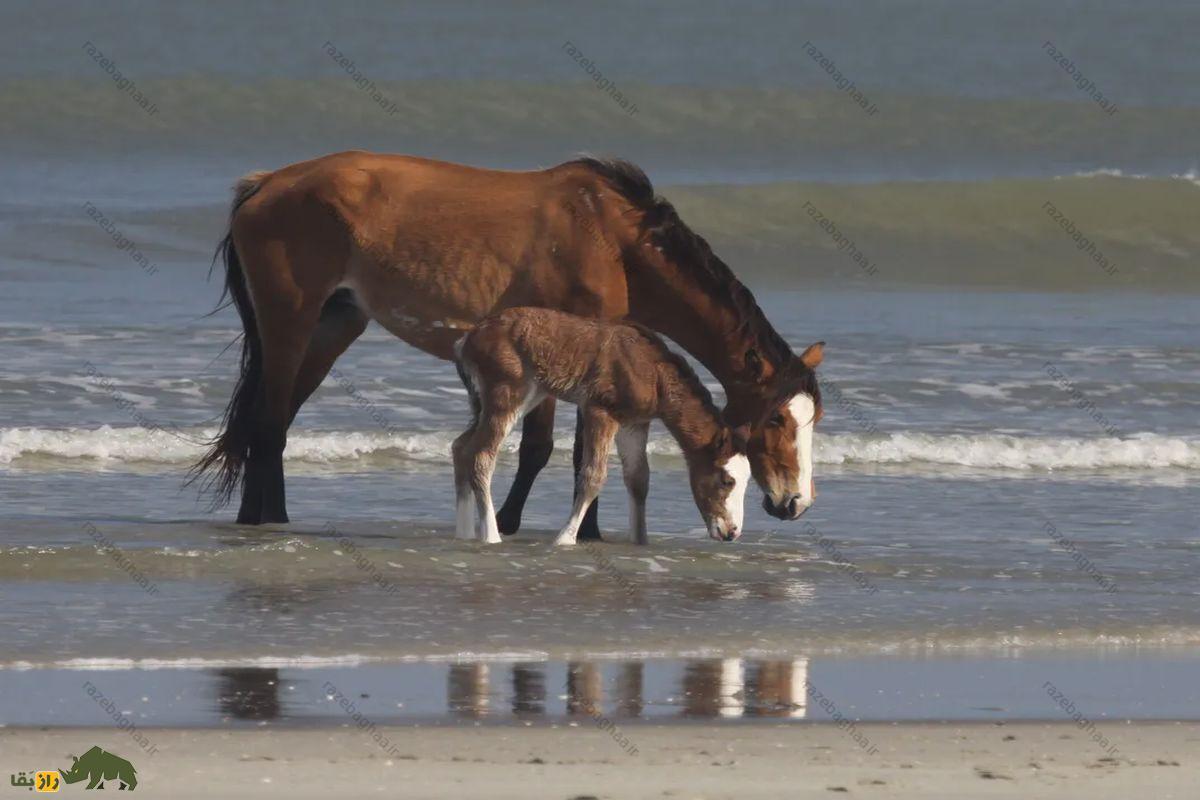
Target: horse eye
727, 482
776, 421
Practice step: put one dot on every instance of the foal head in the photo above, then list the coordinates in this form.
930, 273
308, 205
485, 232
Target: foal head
781, 445
720, 473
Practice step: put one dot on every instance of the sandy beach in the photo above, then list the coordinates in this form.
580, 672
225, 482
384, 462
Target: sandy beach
914, 760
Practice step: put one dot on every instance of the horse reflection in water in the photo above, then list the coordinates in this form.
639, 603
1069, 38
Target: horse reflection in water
700, 688
731, 687
528, 690
249, 693
468, 691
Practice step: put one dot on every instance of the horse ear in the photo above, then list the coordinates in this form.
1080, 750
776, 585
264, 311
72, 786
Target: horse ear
813, 355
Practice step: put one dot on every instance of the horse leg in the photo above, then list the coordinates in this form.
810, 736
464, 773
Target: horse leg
286, 315
283, 353
631, 446
596, 433
537, 443
340, 324
589, 528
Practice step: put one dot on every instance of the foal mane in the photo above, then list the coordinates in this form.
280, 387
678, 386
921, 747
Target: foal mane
662, 224
687, 375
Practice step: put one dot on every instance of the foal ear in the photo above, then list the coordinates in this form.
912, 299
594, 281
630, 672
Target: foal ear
813, 355
741, 437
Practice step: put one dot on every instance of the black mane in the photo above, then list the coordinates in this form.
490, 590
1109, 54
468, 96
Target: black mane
688, 249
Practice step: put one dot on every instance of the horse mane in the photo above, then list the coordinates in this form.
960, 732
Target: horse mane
663, 226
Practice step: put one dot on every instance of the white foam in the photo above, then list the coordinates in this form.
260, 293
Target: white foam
266, 662
996, 451
111, 447
1191, 176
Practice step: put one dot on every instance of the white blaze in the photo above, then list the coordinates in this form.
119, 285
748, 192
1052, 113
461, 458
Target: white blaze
803, 411
738, 468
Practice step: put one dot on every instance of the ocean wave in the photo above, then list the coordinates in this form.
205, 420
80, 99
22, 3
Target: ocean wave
1099, 230
1191, 175
108, 447
1096, 231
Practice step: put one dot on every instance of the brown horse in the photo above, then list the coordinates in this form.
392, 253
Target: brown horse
621, 376
426, 248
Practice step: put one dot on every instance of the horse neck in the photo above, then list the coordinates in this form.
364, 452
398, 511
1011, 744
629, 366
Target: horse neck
708, 325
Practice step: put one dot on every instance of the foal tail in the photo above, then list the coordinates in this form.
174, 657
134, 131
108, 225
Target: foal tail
230, 448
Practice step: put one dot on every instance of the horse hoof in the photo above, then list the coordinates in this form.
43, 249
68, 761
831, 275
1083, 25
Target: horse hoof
508, 523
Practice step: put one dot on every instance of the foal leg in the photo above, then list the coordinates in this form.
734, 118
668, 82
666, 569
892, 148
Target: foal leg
631, 446
597, 432
464, 464
537, 443
497, 408
485, 444
590, 527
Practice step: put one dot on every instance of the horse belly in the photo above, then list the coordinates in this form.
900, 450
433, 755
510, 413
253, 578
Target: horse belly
428, 306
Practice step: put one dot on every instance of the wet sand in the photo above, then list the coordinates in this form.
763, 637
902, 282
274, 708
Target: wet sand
911, 760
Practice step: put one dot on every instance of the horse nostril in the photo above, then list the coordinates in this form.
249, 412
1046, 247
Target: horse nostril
779, 511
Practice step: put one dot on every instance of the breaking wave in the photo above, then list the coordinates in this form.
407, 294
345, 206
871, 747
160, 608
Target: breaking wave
112, 448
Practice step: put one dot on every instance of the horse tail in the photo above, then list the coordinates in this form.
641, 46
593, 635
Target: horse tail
229, 450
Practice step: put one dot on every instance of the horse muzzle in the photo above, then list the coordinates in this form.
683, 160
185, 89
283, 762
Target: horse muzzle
791, 508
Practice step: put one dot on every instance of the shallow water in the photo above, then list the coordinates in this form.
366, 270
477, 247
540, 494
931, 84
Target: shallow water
1007, 465
610, 692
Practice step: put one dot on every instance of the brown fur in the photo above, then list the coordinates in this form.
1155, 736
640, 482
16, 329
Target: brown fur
427, 249
621, 375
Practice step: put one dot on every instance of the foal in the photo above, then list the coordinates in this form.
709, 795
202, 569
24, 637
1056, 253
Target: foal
621, 376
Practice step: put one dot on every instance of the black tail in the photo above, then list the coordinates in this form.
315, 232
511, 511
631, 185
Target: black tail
225, 460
